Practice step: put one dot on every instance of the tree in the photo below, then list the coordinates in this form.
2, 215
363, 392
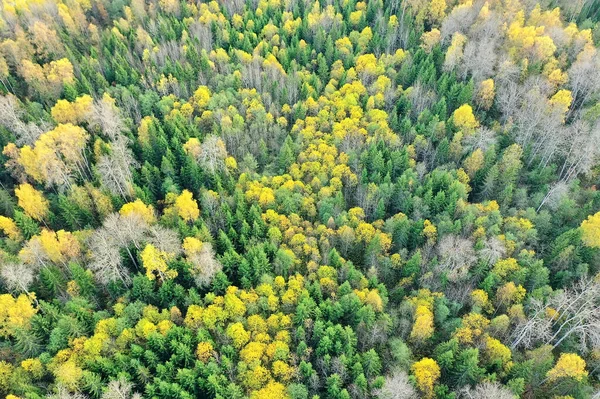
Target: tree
114, 168
569, 365
202, 257
16, 277
187, 207
426, 372
155, 263
32, 201
397, 386
487, 390
464, 119
120, 389
590, 229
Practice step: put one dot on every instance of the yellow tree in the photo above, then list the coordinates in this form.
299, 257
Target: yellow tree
155, 263
464, 119
137, 207
569, 365
187, 207
32, 201
14, 313
590, 231
426, 372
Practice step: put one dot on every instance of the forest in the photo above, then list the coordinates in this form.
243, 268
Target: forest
299, 199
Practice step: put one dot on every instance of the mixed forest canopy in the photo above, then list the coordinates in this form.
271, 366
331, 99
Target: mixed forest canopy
299, 199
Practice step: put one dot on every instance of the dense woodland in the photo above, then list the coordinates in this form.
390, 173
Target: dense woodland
299, 199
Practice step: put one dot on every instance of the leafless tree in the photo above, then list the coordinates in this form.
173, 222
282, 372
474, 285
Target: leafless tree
34, 254
456, 256
63, 393
234, 6
579, 151
584, 81
479, 59
486, 390
120, 389
203, 33
164, 239
16, 277
115, 168
205, 265
421, 98
492, 251
577, 313
459, 20
106, 116
213, 154
10, 118
106, 263
117, 232
483, 138
397, 386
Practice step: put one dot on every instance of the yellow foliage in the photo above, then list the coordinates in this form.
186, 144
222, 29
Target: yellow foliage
464, 118
473, 327
138, 208
9, 228
504, 267
32, 201
273, 390
486, 93
34, 366
155, 263
426, 372
509, 294
590, 231
430, 39
429, 230
569, 365
204, 351
496, 351
75, 112
561, 102
68, 374
423, 327
437, 10
238, 334
187, 207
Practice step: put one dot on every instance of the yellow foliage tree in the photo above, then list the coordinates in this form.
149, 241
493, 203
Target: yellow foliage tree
569, 365
155, 263
146, 212
590, 231
14, 313
426, 372
32, 201
187, 207
464, 119
9, 228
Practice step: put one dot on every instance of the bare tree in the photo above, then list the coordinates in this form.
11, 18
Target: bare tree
456, 256
205, 264
576, 313
483, 138
63, 393
120, 389
16, 277
213, 153
115, 168
10, 118
164, 239
486, 390
106, 116
397, 386
492, 251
